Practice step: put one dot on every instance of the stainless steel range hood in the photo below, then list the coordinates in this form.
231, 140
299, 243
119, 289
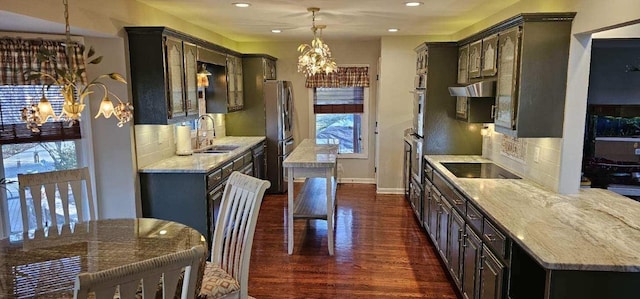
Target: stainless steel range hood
480, 89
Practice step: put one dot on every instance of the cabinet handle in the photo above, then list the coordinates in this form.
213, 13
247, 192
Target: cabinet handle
490, 237
473, 217
493, 111
482, 258
458, 202
460, 234
464, 238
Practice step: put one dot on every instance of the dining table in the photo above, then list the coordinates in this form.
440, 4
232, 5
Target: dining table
44, 263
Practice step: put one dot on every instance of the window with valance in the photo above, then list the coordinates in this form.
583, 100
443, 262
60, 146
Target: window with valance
17, 58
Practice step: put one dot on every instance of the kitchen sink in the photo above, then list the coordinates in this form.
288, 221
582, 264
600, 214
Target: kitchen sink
218, 149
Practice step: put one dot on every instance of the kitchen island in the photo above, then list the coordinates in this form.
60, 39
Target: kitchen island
188, 189
585, 245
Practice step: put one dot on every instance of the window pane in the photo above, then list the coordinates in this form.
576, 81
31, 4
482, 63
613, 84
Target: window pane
345, 127
33, 158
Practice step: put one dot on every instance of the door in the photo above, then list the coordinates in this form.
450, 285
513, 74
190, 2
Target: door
426, 203
175, 76
472, 247
491, 275
475, 59
191, 78
455, 246
506, 98
287, 110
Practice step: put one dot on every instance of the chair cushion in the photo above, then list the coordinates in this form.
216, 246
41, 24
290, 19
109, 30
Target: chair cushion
217, 282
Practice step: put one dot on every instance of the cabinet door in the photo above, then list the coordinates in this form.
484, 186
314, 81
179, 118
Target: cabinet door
269, 69
463, 64
491, 275
191, 78
406, 171
434, 214
489, 55
214, 198
443, 227
508, 58
456, 232
174, 76
472, 246
475, 59
239, 103
426, 203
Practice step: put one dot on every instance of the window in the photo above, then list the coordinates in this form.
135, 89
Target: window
341, 113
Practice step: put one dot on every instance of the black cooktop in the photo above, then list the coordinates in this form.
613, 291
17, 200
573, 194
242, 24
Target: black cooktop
479, 170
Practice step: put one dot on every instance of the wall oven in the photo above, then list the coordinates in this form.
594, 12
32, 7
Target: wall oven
418, 112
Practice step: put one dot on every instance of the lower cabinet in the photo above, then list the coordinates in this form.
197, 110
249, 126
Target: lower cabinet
434, 214
472, 247
415, 199
443, 229
491, 275
456, 242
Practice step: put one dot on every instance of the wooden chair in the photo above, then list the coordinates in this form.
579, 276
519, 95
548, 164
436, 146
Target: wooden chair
227, 274
51, 181
125, 281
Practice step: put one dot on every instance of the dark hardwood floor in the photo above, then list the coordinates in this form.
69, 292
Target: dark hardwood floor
380, 252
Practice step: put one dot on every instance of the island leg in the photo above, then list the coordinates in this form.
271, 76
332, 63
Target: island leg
290, 209
330, 224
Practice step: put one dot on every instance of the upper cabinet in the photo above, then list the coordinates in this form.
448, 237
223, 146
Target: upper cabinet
506, 96
475, 59
489, 55
235, 95
463, 64
164, 67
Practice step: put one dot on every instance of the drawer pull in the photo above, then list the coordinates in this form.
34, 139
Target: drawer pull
464, 237
460, 239
473, 217
458, 202
490, 237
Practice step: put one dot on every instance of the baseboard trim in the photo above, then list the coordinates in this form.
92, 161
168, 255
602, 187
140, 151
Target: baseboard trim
390, 191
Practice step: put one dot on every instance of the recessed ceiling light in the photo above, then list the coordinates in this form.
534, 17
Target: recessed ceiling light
392, 29
413, 4
276, 30
241, 4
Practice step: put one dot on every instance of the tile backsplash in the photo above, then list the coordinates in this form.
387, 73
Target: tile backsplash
536, 159
157, 142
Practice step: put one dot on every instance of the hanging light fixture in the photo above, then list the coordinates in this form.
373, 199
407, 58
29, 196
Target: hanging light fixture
315, 58
202, 75
69, 79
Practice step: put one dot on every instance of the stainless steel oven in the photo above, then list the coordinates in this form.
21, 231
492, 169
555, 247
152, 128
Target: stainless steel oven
418, 112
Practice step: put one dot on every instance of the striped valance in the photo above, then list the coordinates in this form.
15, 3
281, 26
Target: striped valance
356, 76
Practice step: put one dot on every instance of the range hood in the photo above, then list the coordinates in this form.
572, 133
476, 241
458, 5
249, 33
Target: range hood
480, 89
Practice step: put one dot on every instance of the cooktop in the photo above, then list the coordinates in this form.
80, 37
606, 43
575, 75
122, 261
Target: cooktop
479, 170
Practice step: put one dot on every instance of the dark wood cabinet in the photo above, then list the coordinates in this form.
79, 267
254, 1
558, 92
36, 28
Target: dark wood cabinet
472, 248
475, 59
444, 217
463, 64
491, 274
507, 98
456, 241
163, 76
489, 55
434, 214
235, 94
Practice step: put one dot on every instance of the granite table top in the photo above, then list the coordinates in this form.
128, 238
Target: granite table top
204, 162
593, 230
45, 263
312, 153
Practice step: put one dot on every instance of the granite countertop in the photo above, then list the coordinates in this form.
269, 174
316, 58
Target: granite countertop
595, 230
203, 162
313, 153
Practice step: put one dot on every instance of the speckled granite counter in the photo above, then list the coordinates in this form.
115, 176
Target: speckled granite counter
313, 153
203, 162
46, 267
595, 230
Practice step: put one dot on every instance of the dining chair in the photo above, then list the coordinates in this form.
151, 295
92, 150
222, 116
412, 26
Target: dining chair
51, 181
141, 279
226, 275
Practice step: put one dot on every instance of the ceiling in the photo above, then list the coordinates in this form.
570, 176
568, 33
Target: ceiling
345, 19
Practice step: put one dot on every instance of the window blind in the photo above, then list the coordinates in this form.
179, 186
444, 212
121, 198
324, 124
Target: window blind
13, 130
338, 100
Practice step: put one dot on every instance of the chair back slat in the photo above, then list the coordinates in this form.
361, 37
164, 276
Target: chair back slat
145, 274
235, 226
52, 181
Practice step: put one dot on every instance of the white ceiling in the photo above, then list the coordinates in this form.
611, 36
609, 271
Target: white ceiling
345, 19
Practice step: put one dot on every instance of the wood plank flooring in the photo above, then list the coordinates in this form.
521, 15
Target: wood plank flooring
380, 252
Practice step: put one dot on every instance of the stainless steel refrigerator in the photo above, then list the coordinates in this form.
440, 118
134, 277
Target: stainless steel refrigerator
268, 111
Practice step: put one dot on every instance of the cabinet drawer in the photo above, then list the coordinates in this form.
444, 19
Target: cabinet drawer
214, 178
238, 163
494, 238
428, 172
248, 157
227, 169
474, 217
459, 202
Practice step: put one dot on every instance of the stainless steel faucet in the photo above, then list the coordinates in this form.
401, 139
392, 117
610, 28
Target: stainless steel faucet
206, 139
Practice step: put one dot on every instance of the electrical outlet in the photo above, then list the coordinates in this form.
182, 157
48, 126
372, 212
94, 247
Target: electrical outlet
638, 151
536, 154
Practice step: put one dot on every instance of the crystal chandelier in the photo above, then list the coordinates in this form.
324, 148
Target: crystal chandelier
316, 57
69, 79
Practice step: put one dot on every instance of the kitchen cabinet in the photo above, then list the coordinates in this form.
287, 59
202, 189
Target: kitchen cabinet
406, 169
235, 96
471, 259
456, 233
422, 60
163, 76
489, 55
444, 217
259, 161
463, 64
475, 59
532, 77
196, 202
426, 195
415, 198
434, 214
491, 273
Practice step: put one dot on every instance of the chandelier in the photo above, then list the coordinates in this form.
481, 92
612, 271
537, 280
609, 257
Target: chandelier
316, 57
69, 79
